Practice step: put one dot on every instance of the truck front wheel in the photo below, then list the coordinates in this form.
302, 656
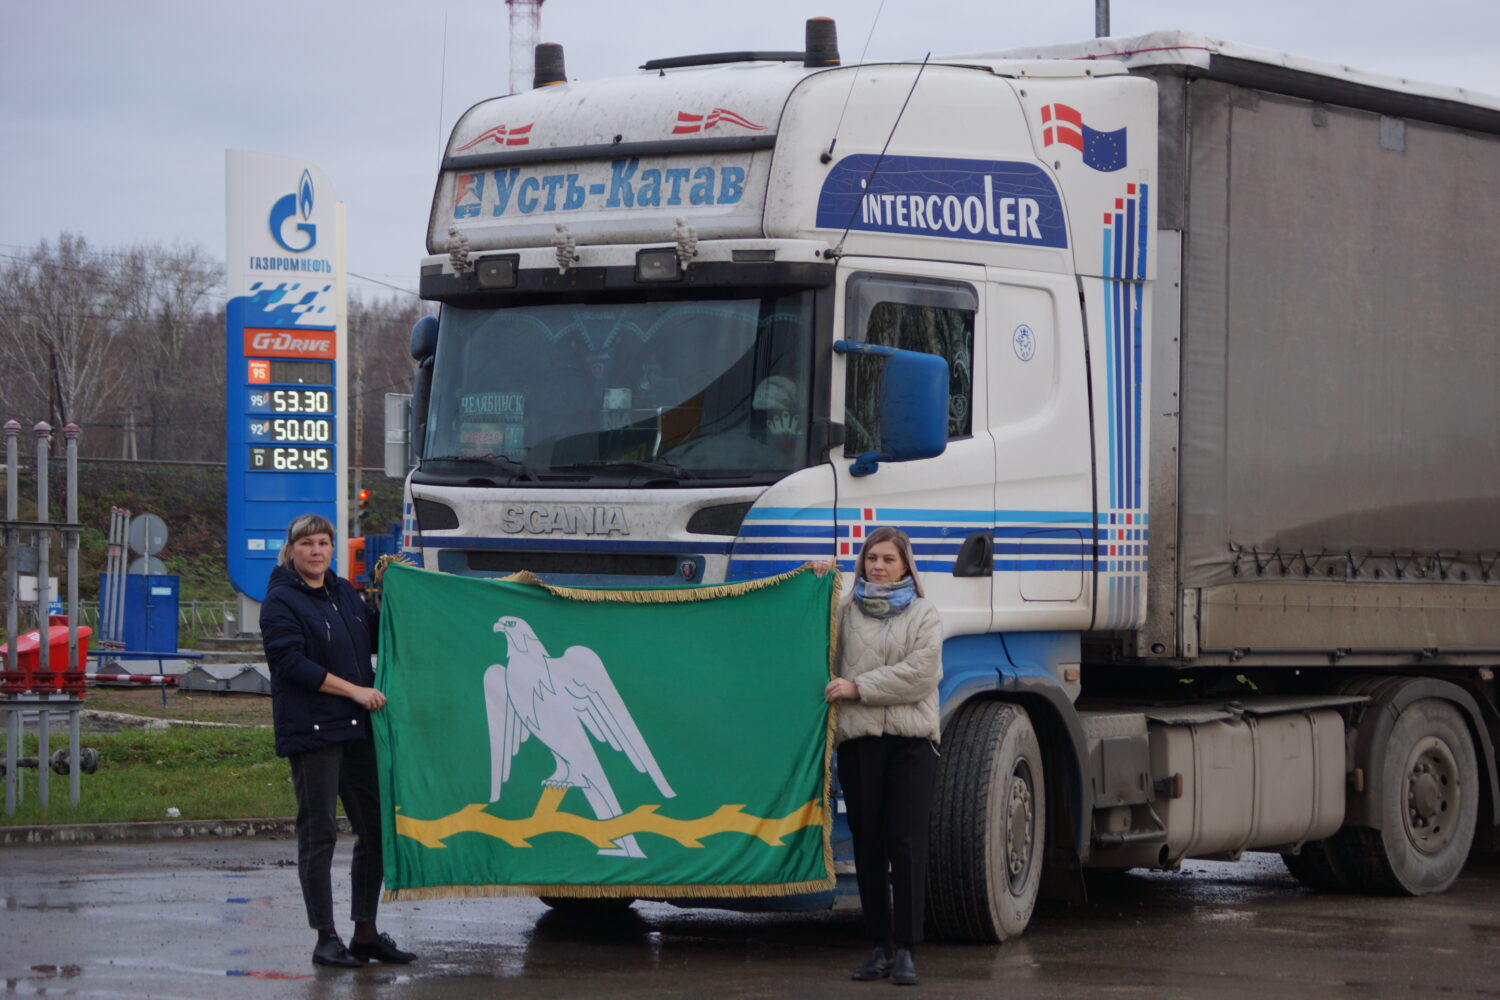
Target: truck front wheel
985, 853
1429, 805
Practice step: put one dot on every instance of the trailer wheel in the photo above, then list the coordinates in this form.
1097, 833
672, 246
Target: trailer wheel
988, 823
589, 906
1428, 809
1319, 865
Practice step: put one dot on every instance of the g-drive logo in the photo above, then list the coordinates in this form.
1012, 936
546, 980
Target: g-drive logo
289, 205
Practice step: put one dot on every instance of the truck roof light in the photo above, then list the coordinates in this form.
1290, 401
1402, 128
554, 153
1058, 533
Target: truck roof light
822, 42
745, 256
497, 272
549, 66
658, 264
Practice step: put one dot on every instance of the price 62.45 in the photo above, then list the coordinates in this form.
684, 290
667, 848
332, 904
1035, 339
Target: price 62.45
291, 459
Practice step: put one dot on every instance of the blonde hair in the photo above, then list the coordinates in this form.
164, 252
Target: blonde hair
903, 546
302, 526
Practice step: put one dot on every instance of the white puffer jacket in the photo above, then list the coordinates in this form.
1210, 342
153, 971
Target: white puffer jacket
896, 663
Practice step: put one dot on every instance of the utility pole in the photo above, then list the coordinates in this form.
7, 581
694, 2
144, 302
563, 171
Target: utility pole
356, 348
1101, 18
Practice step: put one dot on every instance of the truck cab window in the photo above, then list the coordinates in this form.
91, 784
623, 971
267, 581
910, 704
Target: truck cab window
930, 317
715, 384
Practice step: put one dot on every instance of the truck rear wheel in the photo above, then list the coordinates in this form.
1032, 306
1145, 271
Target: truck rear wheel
1429, 804
1319, 865
986, 847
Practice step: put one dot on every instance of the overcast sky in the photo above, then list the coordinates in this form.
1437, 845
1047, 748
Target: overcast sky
115, 115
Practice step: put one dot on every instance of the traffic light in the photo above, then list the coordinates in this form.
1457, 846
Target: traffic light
364, 504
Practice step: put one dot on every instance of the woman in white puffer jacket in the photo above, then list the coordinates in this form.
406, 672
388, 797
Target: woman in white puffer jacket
890, 662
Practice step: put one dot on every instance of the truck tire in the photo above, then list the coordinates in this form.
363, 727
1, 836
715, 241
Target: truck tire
1428, 808
1319, 865
988, 822
591, 906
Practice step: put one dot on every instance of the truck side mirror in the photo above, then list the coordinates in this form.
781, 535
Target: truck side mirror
913, 406
424, 337
423, 347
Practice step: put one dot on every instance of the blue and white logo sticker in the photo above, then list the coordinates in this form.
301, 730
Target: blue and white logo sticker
1023, 341
288, 205
994, 201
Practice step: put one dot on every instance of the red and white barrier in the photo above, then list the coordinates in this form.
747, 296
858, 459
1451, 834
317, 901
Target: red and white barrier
167, 680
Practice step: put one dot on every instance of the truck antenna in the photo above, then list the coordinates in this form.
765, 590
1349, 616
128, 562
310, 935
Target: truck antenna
838, 250
827, 156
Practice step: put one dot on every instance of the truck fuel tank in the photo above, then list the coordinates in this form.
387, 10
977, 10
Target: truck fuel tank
1265, 774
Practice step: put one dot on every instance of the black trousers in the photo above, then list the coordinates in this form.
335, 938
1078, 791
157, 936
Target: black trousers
320, 778
888, 787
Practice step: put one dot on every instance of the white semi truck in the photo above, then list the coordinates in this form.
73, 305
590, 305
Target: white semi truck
1206, 482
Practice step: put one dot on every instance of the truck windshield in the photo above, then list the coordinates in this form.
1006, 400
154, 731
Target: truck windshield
696, 387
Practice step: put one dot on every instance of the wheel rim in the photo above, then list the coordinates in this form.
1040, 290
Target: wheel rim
1019, 832
1432, 796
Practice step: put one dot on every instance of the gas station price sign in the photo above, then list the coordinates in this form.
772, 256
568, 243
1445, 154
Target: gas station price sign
286, 376
283, 437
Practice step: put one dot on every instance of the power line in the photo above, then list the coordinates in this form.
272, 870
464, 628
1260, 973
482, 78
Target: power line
387, 284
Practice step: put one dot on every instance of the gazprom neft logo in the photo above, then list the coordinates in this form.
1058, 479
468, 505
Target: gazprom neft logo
990, 200
304, 235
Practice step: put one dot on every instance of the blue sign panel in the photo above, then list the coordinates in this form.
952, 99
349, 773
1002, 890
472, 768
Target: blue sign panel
994, 201
281, 455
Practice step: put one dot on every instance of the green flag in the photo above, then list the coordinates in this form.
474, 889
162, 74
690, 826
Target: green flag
560, 741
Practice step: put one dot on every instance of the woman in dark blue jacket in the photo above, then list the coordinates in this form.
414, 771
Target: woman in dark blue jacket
319, 637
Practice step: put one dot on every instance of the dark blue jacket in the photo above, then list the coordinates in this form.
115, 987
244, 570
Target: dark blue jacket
309, 633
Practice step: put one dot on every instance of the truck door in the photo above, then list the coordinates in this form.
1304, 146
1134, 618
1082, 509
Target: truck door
1038, 411
946, 503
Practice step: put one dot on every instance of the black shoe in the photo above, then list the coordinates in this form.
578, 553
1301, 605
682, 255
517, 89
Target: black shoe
904, 968
382, 949
877, 966
331, 951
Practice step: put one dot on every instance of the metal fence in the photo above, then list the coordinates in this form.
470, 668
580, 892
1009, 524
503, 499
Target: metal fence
196, 618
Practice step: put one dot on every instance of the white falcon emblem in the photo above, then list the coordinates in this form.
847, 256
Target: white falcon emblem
563, 700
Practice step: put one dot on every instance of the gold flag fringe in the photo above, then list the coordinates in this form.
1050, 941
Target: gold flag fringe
641, 891
665, 595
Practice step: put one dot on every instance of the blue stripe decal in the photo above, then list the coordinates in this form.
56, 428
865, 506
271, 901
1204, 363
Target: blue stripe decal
921, 514
581, 545
824, 531
825, 514
803, 514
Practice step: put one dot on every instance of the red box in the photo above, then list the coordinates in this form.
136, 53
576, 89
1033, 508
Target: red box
28, 677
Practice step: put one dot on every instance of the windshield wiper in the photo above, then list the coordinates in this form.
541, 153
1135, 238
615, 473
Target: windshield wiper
635, 464
509, 466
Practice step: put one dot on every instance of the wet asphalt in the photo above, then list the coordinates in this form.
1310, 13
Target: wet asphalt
223, 919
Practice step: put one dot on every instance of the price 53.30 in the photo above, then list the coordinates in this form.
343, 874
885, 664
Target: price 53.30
301, 401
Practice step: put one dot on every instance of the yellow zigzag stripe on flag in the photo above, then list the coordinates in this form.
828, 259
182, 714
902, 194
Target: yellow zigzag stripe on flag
603, 833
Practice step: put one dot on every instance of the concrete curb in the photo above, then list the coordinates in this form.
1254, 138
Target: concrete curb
151, 723
80, 833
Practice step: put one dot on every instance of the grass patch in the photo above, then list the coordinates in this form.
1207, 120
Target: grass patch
203, 773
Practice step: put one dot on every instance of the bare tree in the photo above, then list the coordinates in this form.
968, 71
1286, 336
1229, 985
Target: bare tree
167, 290
59, 326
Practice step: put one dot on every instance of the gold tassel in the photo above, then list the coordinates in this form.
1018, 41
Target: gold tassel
676, 595
611, 891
